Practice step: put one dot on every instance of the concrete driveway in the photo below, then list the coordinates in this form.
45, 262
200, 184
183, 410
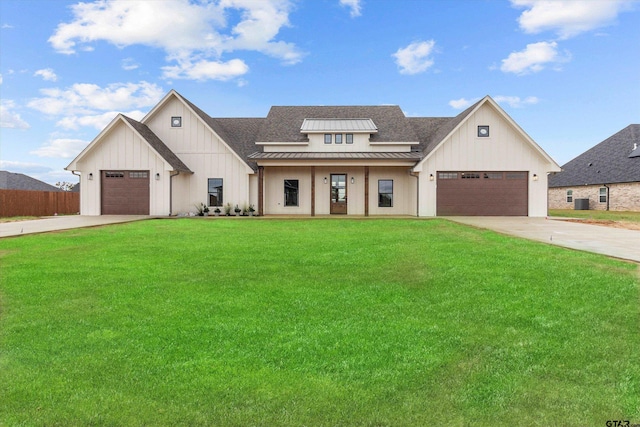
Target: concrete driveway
614, 242
63, 222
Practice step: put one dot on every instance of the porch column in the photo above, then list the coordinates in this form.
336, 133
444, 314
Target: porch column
260, 190
366, 191
313, 191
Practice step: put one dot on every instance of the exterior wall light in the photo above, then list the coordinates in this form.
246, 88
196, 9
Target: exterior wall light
535, 177
325, 179
431, 178
157, 176
353, 180
90, 177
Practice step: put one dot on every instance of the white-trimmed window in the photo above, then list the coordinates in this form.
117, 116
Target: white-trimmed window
291, 190
603, 194
385, 193
349, 138
215, 191
569, 196
338, 138
327, 138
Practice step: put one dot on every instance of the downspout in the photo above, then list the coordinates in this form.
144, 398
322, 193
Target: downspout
607, 187
417, 177
79, 175
171, 192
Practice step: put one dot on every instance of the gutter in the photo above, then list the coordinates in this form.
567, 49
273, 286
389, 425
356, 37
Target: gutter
607, 187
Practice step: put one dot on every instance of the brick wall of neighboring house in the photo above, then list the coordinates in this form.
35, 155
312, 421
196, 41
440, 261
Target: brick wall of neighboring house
622, 197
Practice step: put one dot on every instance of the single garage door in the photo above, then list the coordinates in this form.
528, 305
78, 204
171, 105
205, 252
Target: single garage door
482, 194
125, 192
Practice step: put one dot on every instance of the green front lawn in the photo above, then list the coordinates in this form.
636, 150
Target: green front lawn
313, 322
597, 215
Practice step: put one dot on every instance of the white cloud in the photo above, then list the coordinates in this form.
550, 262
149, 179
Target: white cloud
568, 18
188, 32
98, 121
0, 79
462, 103
206, 70
88, 99
129, 64
354, 5
415, 58
533, 58
6, 26
63, 148
515, 101
47, 74
23, 167
9, 118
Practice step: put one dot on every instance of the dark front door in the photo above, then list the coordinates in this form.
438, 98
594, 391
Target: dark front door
338, 194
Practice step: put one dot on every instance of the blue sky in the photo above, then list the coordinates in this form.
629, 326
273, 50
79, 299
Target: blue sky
567, 71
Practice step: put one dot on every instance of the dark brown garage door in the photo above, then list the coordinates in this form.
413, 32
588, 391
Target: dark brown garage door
482, 194
125, 192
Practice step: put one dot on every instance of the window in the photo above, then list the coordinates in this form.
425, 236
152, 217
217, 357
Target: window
385, 193
493, 175
470, 175
291, 192
516, 175
483, 131
349, 138
569, 196
327, 138
176, 122
448, 175
138, 175
114, 174
215, 192
603, 194
339, 138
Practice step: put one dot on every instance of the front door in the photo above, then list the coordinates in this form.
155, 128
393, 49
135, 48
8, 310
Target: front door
338, 194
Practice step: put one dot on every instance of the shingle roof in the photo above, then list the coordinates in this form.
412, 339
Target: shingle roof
18, 181
238, 133
283, 124
606, 163
158, 145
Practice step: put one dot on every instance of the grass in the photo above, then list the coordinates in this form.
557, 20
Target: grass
313, 322
628, 216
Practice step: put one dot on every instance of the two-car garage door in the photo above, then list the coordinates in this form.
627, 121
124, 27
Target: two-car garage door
125, 192
482, 194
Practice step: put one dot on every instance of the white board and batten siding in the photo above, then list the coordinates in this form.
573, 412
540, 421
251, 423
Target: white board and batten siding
506, 149
204, 153
123, 149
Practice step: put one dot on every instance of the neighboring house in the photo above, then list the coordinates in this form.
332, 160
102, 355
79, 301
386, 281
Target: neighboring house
18, 181
353, 160
608, 175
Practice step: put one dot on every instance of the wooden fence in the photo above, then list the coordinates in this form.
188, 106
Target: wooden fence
38, 203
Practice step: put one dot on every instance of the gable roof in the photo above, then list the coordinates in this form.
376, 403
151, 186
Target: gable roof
283, 123
442, 132
18, 181
606, 163
145, 134
159, 146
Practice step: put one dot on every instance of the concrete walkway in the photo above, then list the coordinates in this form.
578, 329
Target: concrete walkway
615, 242
63, 222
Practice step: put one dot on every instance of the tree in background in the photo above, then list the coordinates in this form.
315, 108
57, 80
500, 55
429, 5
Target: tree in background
65, 186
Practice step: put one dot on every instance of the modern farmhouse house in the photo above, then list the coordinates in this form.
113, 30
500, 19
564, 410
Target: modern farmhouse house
605, 177
306, 160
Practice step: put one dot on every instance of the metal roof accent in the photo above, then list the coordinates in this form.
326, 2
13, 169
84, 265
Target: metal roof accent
338, 125
412, 156
636, 150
